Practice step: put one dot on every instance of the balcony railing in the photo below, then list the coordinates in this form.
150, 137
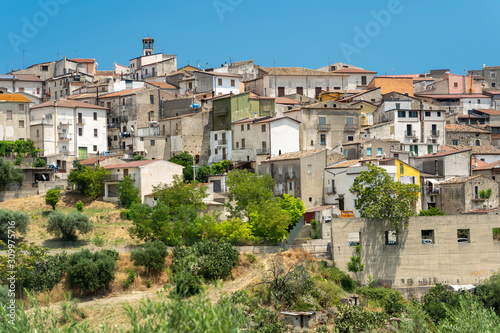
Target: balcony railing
330, 190
41, 121
117, 178
351, 127
113, 125
222, 142
410, 134
65, 121
323, 127
64, 137
122, 119
80, 121
290, 174
431, 191
262, 151
435, 133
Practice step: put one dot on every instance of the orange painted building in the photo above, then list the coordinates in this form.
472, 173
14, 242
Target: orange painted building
387, 84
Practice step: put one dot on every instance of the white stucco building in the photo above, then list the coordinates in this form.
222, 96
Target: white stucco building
68, 130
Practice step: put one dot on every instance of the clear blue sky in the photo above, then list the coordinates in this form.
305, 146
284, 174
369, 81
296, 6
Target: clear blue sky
414, 37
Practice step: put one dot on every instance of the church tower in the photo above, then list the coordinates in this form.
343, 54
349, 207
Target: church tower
147, 46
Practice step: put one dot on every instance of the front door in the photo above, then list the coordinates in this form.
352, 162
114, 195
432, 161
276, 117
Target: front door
82, 153
223, 153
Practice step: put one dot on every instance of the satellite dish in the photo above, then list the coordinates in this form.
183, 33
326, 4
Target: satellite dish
131, 129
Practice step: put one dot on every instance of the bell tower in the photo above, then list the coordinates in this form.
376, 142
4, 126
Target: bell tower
147, 46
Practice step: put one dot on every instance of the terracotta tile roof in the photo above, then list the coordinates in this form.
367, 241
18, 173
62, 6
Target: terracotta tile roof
479, 150
344, 164
285, 100
453, 96
68, 104
358, 94
294, 155
14, 98
122, 93
107, 73
491, 67
458, 180
465, 129
353, 71
91, 161
466, 116
185, 115
255, 96
481, 211
134, 164
446, 150
162, 85
295, 71
261, 120
475, 163
492, 92
82, 96
28, 77
83, 60
491, 112
487, 166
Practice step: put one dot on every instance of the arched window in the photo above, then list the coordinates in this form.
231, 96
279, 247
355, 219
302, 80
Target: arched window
478, 143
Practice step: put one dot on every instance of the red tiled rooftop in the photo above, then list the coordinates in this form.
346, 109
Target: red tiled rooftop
134, 164
120, 93
353, 71
162, 85
14, 98
83, 60
68, 104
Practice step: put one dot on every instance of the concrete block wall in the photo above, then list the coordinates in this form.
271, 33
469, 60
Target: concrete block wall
411, 263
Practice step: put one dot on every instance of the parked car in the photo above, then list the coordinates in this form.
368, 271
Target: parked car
427, 241
107, 153
463, 240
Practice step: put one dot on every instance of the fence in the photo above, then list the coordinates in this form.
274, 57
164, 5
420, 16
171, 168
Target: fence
292, 234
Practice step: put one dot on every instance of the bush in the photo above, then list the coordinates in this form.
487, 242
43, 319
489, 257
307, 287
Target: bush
79, 206
432, 211
252, 258
438, 300
112, 253
126, 214
357, 319
316, 231
129, 194
66, 226
52, 197
335, 275
48, 272
489, 292
39, 163
139, 157
130, 279
151, 256
4, 294
215, 260
21, 221
89, 271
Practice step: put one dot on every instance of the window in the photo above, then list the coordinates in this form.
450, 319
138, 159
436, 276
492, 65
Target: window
45, 68
439, 114
242, 143
363, 80
476, 192
153, 142
219, 82
322, 139
353, 238
413, 114
312, 142
401, 168
263, 128
281, 91
317, 91
21, 107
290, 186
398, 106
350, 138
430, 149
493, 84
151, 99
455, 84
309, 168
248, 127
215, 136
21, 123
463, 235
37, 133
123, 101
478, 143
115, 138
190, 85
401, 114
264, 145
379, 151
455, 142
427, 236
95, 148
280, 170
95, 115
9, 114
310, 199
237, 145
95, 132
427, 113
233, 83
368, 152
242, 128
80, 131
300, 91
391, 238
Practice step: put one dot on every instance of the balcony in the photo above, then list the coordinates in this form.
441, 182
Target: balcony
118, 178
64, 137
80, 121
222, 142
330, 190
122, 119
323, 127
113, 125
41, 121
290, 175
435, 133
65, 122
410, 134
351, 127
430, 191
125, 135
262, 151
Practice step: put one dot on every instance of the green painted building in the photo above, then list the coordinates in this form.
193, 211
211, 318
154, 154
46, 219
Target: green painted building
229, 108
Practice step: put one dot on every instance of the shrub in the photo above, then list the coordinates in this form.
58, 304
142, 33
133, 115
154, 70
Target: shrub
79, 206
112, 253
126, 214
436, 302
52, 197
89, 271
21, 221
151, 256
489, 292
252, 258
139, 157
322, 329
129, 194
432, 211
215, 260
4, 294
394, 305
129, 280
9, 174
39, 163
316, 231
98, 241
66, 226
48, 273
414, 319
357, 319
334, 274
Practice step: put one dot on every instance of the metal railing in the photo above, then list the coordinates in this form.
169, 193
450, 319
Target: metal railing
290, 174
113, 125
330, 190
222, 142
80, 121
117, 178
64, 137
351, 127
435, 133
262, 151
323, 127
410, 134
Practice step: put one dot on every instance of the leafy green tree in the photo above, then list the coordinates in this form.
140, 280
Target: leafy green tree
39, 163
179, 194
52, 197
438, 301
89, 181
485, 194
268, 220
79, 206
293, 206
151, 256
355, 266
66, 226
186, 160
90, 271
489, 292
248, 189
129, 194
139, 157
9, 174
380, 197
432, 211
16, 219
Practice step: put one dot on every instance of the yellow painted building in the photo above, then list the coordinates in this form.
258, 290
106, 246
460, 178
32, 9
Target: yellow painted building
403, 169
402, 85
